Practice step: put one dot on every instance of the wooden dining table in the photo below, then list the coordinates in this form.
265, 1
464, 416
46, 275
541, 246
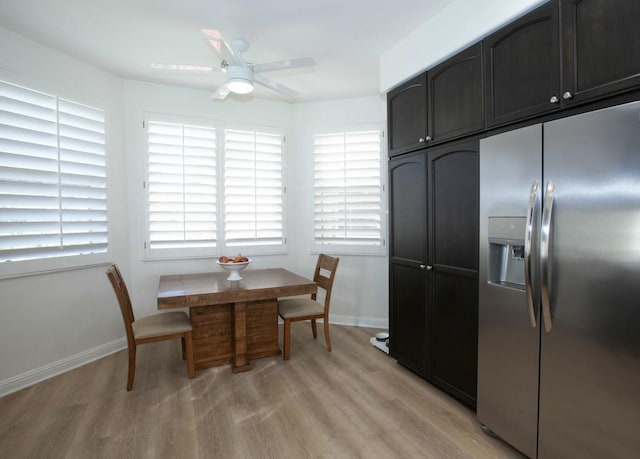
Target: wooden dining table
233, 321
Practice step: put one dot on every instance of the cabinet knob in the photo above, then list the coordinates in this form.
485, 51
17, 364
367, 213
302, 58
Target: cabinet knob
423, 266
429, 268
421, 140
554, 100
428, 138
567, 95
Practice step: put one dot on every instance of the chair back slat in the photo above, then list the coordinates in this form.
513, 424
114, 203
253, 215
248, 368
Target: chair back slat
324, 281
120, 289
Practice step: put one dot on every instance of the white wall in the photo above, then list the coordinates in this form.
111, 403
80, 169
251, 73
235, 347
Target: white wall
360, 293
457, 26
48, 320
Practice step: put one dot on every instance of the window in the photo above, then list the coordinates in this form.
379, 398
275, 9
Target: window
212, 190
181, 188
52, 177
253, 189
348, 205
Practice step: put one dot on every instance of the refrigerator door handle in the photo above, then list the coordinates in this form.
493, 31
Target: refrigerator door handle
533, 197
545, 242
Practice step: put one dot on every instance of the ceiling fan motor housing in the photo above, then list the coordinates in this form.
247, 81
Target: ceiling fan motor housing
240, 45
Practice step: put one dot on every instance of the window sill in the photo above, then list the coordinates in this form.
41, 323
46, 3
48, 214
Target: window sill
15, 269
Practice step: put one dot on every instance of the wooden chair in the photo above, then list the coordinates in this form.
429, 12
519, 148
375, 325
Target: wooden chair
296, 309
157, 327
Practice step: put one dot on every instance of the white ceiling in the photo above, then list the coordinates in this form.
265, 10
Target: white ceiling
344, 37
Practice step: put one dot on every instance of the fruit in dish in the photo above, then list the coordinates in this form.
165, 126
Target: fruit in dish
237, 259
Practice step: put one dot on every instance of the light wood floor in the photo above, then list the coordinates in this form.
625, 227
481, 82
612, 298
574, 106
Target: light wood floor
353, 402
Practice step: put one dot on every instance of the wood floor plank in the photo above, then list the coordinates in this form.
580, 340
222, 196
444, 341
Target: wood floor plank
352, 402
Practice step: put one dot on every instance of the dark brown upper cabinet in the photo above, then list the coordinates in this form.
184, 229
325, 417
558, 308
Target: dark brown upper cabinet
455, 96
523, 67
601, 48
407, 116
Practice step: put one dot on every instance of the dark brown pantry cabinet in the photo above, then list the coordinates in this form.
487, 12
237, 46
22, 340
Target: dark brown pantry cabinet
408, 260
453, 191
601, 48
434, 264
522, 67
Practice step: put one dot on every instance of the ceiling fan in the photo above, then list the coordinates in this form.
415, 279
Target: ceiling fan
241, 74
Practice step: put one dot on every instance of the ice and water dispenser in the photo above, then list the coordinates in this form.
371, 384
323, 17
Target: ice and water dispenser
506, 251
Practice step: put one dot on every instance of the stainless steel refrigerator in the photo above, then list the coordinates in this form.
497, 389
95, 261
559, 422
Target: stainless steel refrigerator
559, 318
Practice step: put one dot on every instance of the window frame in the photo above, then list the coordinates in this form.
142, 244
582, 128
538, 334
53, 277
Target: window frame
177, 253
352, 249
67, 261
221, 248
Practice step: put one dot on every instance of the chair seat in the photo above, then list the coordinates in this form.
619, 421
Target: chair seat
161, 324
299, 307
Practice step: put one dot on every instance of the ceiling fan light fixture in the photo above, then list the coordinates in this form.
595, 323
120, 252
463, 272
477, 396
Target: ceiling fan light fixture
240, 86
240, 80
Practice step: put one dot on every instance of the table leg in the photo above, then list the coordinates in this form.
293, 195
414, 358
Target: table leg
240, 361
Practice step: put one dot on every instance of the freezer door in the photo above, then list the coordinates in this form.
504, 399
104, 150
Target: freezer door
590, 357
508, 345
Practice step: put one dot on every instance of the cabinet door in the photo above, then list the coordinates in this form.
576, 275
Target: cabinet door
408, 255
407, 116
408, 318
453, 246
455, 96
523, 67
601, 48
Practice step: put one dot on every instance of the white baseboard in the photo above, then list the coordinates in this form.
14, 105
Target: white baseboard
359, 321
354, 321
50, 370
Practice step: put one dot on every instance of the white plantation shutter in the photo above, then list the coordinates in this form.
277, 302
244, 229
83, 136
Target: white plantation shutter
253, 189
83, 177
53, 199
348, 192
182, 184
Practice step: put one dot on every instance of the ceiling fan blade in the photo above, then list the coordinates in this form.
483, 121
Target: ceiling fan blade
215, 39
285, 64
267, 82
221, 93
182, 67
